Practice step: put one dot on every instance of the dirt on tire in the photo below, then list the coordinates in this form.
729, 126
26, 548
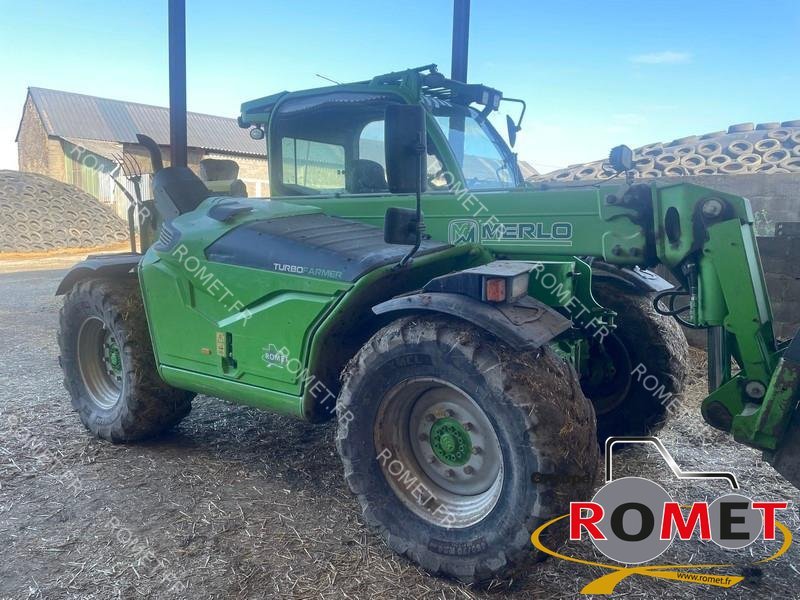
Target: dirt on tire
147, 406
538, 409
659, 362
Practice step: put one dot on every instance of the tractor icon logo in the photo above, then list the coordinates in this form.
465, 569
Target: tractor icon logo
464, 231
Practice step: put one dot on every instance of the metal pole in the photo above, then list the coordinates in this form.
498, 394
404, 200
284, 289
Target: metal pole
177, 83
459, 72
460, 40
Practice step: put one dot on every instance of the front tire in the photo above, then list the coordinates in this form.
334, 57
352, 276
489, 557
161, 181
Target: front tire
109, 368
443, 432
640, 370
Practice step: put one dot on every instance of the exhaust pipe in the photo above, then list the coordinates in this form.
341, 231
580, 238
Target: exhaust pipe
177, 84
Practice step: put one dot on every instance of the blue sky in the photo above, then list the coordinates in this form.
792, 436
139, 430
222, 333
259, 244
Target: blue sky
594, 74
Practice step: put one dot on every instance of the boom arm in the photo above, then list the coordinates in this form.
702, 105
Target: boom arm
707, 240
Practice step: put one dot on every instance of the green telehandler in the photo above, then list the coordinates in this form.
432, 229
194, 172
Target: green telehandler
471, 334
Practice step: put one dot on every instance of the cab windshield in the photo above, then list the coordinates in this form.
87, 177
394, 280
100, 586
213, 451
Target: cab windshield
484, 159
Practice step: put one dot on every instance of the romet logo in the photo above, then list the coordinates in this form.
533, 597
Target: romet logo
633, 521
275, 357
470, 231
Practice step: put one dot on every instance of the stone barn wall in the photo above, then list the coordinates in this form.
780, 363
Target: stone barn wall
36, 152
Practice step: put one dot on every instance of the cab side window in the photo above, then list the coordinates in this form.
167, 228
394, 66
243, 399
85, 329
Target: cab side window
371, 146
334, 143
313, 166
316, 145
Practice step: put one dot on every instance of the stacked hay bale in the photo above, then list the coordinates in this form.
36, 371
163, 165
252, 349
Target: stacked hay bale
743, 148
38, 213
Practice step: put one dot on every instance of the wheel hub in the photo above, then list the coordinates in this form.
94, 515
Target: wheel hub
111, 356
450, 442
100, 362
446, 443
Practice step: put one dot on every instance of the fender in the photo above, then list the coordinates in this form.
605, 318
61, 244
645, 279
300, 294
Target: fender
105, 266
525, 325
633, 280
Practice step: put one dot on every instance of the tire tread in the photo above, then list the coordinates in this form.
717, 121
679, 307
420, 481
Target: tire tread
566, 449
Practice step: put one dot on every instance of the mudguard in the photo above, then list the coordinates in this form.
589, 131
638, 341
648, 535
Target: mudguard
524, 325
106, 266
635, 279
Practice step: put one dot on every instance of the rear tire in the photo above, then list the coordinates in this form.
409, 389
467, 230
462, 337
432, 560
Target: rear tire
109, 368
644, 344
422, 379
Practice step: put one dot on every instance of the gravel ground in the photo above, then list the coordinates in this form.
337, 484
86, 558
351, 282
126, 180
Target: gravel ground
236, 503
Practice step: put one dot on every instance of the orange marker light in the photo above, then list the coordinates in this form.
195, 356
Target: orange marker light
495, 290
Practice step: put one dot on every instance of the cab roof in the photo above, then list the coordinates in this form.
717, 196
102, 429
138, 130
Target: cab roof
411, 84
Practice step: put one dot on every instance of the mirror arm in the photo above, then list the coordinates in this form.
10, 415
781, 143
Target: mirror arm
522, 114
421, 151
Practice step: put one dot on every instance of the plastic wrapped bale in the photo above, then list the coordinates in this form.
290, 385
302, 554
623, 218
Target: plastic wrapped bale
751, 161
38, 214
709, 148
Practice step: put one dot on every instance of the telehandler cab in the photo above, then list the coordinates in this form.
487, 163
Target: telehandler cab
471, 333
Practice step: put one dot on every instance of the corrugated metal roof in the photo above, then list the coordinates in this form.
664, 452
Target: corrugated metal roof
109, 150
69, 115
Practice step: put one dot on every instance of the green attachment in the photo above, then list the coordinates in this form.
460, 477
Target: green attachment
765, 427
758, 422
450, 442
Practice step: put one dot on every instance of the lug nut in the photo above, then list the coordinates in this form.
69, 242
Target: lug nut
423, 437
432, 460
430, 418
469, 426
451, 473
477, 450
468, 470
449, 413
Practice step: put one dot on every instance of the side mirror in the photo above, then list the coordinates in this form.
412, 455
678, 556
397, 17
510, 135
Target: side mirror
621, 159
406, 138
512, 131
400, 226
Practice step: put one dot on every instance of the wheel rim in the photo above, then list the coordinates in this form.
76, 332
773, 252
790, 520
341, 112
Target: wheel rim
608, 386
100, 362
439, 452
